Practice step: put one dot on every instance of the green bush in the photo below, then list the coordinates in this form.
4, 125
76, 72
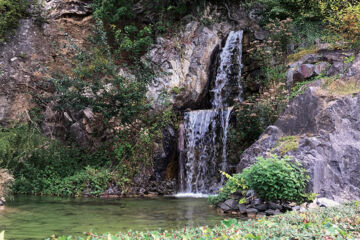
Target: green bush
234, 184
277, 179
10, 13
44, 166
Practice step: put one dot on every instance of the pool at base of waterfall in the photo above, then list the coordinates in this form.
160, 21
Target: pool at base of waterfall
34, 217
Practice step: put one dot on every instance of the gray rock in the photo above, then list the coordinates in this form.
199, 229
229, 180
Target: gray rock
329, 131
277, 212
261, 207
242, 208
229, 205
80, 135
270, 212
185, 66
250, 194
274, 206
251, 211
296, 208
312, 205
321, 68
261, 35
306, 70
327, 203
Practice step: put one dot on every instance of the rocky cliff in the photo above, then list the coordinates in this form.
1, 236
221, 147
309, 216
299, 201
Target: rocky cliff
320, 129
33, 49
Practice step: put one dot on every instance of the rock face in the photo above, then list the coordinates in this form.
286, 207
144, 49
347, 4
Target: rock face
327, 125
29, 52
5, 180
324, 61
183, 64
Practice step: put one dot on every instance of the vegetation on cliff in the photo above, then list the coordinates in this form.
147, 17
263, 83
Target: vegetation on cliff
125, 30
10, 13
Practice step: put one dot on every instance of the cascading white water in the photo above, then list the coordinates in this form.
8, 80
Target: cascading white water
229, 69
206, 131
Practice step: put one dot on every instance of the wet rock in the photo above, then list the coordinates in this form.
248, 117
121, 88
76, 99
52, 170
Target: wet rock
242, 208
229, 205
274, 206
327, 203
270, 212
261, 207
251, 211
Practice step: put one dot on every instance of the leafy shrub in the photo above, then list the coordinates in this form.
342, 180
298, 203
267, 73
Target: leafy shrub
343, 17
235, 183
93, 81
44, 166
10, 13
277, 179
253, 117
282, 9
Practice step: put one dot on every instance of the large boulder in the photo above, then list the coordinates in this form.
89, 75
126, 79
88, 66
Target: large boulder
183, 63
327, 126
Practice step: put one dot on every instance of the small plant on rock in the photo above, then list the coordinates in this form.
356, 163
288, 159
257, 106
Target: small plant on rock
235, 183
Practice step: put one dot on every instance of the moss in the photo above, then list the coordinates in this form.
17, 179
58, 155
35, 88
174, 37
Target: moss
286, 144
176, 90
297, 56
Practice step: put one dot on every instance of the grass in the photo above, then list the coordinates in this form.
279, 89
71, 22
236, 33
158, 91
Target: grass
343, 87
323, 223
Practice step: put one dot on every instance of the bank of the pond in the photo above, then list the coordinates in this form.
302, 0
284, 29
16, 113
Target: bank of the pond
341, 222
33, 217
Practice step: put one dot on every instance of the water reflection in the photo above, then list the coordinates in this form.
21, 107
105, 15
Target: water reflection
28, 217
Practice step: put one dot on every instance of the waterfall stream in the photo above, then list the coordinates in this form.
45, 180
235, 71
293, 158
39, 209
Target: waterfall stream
205, 132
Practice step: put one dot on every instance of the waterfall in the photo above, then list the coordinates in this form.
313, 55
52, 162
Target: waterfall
205, 132
229, 71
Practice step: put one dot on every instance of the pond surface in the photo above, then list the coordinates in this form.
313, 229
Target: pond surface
28, 217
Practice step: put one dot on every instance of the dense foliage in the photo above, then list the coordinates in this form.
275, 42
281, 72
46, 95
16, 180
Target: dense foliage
276, 179
10, 13
271, 179
133, 25
44, 166
334, 223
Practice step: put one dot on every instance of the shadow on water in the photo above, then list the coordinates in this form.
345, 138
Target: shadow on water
29, 217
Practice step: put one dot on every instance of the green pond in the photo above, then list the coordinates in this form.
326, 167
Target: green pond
28, 217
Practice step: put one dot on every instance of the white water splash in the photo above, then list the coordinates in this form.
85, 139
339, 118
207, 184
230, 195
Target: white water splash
229, 68
206, 131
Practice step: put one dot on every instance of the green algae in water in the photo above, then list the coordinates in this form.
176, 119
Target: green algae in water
28, 217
